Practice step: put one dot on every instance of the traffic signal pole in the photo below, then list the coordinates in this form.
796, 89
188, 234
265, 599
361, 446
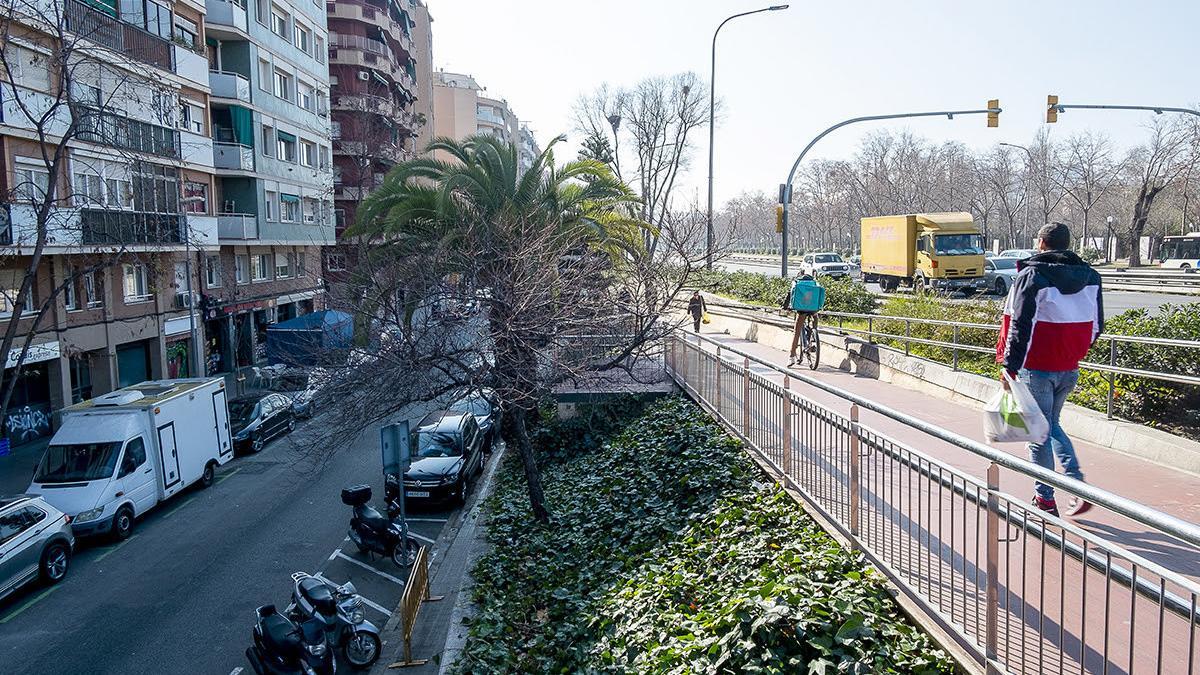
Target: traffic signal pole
785, 190
1053, 106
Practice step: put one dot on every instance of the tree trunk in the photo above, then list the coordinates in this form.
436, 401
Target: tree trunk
519, 433
1137, 226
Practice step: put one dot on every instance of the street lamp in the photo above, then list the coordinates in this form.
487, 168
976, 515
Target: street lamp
191, 303
1030, 155
712, 101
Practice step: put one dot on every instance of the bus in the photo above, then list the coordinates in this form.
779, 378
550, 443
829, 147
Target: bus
1181, 252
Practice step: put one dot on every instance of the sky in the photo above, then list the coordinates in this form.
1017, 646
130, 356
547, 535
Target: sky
785, 76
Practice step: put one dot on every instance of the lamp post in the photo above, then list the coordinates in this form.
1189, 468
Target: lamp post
712, 100
191, 303
1030, 155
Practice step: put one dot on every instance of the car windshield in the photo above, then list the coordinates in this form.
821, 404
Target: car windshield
827, 258
1004, 263
241, 411
437, 444
958, 244
476, 405
77, 462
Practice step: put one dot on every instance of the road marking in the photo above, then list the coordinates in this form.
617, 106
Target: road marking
110, 549
423, 538
377, 607
365, 566
227, 476
336, 553
29, 604
428, 520
235, 671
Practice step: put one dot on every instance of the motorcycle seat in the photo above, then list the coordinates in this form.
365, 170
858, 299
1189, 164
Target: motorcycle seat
319, 595
373, 519
280, 634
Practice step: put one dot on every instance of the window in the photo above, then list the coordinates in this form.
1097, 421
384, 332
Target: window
289, 208
303, 39
93, 291
308, 153
339, 217
322, 102
260, 267
336, 262
285, 146
135, 456
191, 116
307, 96
156, 188
283, 265
31, 185
283, 85
186, 31
272, 205
262, 11
319, 53
280, 22
310, 210
241, 268
324, 157
268, 140
212, 271
300, 271
196, 190
88, 190
333, 79
29, 68
265, 74
136, 283
119, 193
335, 130
70, 297
9, 300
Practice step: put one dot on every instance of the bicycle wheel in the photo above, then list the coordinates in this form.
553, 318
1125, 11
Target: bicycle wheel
814, 343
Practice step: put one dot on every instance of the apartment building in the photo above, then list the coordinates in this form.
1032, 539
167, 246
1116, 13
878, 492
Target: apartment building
131, 101
273, 165
461, 109
527, 147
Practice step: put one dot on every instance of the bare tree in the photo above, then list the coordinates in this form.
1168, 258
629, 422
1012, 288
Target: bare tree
1152, 167
1088, 176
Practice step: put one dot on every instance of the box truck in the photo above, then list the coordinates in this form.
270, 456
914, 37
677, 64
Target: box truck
117, 456
927, 251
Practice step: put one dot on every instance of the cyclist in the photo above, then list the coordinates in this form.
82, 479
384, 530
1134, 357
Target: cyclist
801, 318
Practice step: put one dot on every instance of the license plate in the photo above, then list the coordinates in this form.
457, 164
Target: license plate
411, 493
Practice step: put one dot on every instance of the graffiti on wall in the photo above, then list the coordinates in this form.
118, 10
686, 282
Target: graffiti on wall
27, 423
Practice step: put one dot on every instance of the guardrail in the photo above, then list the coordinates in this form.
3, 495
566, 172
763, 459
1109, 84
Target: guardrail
1016, 590
955, 344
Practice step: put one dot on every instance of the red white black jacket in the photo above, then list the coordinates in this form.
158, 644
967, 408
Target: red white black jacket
1052, 315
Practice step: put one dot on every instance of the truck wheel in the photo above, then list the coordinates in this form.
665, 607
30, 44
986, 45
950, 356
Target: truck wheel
209, 475
55, 561
122, 525
919, 285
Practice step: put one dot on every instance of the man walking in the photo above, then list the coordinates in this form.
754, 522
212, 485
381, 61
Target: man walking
1052, 316
697, 308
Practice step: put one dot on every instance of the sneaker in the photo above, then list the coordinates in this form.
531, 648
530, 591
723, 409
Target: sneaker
1047, 505
1077, 506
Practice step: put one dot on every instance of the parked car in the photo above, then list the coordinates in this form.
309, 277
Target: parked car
447, 451
35, 541
1019, 253
258, 418
998, 275
485, 407
824, 265
301, 386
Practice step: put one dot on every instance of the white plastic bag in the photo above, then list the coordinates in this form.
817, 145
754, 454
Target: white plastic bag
1013, 416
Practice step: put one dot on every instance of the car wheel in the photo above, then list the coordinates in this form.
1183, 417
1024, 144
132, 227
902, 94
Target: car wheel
55, 561
1001, 287
256, 444
291, 426
461, 499
122, 526
210, 473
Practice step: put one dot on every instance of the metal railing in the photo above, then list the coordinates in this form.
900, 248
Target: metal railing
1017, 590
955, 343
124, 38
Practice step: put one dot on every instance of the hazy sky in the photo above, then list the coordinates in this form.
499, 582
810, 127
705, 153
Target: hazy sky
785, 76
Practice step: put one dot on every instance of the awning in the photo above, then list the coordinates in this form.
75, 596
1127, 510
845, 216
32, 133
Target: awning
285, 136
242, 120
289, 198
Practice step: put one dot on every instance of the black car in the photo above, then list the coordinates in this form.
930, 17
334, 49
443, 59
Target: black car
483, 405
258, 418
447, 451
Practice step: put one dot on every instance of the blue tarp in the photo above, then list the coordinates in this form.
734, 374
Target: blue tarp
310, 340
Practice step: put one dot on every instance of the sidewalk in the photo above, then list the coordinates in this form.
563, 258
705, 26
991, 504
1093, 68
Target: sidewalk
1167, 490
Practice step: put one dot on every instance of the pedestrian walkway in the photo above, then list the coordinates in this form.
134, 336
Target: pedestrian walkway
921, 508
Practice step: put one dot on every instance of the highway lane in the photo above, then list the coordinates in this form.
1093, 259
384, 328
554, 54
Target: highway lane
1115, 302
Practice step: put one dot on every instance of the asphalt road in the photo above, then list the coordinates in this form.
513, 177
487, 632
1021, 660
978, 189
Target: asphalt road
1115, 302
179, 596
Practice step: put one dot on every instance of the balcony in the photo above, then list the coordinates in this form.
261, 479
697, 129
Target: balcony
224, 13
370, 103
107, 227
121, 37
360, 43
239, 226
374, 14
124, 133
225, 84
233, 156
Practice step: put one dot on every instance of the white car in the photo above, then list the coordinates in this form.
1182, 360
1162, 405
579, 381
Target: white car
1019, 253
825, 265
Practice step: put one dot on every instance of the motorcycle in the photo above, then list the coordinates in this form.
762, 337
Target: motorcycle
372, 532
339, 610
283, 647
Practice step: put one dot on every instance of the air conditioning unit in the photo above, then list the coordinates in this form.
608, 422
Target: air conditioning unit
364, 75
185, 300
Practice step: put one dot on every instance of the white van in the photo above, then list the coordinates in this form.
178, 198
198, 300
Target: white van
118, 455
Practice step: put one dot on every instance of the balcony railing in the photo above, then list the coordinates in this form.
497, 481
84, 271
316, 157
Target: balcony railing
380, 105
241, 226
360, 43
109, 227
124, 38
225, 13
233, 156
124, 133
225, 84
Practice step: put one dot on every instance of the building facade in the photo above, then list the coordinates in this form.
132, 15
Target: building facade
461, 109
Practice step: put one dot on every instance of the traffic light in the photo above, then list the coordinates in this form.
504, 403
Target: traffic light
779, 217
993, 113
1051, 109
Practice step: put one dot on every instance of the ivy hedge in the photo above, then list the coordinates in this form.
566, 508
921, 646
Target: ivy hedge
670, 552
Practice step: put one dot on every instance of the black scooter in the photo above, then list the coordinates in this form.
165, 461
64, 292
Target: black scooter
372, 532
282, 647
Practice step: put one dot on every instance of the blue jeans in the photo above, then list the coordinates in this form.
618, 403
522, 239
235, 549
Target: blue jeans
1051, 390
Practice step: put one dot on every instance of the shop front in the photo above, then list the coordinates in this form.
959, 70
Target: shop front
29, 413
133, 363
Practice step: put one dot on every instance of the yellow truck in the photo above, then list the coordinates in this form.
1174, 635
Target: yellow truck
927, 251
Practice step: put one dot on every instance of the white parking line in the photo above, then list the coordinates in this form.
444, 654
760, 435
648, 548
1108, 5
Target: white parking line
365, 566
235, 671
428, 520
335, 553
366, 601
419, 537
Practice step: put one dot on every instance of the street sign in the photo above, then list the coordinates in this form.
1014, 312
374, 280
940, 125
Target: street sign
393, 442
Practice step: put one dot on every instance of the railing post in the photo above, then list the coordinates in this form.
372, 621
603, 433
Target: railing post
717, 385
954, 350
870, 330
746, 396
1112, 377
855, 489
991, 619
907, 335
787, 427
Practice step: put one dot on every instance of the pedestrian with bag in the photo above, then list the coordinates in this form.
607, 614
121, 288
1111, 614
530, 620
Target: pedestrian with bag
1053, 315
698, 309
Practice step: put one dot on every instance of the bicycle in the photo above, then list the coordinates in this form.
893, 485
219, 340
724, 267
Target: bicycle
807, 346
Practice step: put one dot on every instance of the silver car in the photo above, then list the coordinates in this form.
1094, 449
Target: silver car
35, 541
999, 273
